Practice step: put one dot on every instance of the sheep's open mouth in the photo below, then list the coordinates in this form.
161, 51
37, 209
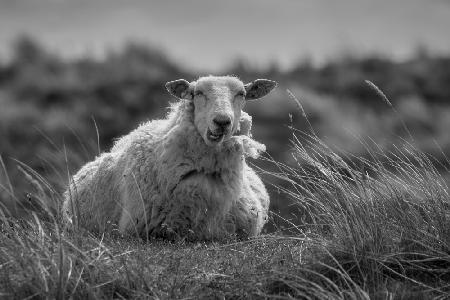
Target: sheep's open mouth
214, 137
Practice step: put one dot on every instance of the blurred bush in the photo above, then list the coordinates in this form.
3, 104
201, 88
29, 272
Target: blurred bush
51, 108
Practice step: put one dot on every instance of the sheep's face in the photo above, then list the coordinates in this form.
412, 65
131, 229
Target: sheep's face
218, 102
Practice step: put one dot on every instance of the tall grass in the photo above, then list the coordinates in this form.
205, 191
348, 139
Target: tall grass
379, 225
374, 227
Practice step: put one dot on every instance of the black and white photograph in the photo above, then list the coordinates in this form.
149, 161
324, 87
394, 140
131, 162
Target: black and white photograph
238, 149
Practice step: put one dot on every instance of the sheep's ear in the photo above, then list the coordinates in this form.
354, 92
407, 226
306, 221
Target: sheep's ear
259, 88
179, 88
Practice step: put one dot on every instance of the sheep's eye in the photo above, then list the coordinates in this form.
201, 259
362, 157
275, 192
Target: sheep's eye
198, 93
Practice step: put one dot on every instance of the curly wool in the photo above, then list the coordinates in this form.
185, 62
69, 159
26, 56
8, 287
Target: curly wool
163, 180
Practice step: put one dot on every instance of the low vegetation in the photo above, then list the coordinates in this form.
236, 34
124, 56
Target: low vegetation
376, 229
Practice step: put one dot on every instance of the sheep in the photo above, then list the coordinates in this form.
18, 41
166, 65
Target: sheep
184, 176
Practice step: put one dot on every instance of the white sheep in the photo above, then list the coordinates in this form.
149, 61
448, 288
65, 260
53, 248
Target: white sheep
183, 176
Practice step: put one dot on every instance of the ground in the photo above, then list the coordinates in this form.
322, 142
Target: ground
40, 263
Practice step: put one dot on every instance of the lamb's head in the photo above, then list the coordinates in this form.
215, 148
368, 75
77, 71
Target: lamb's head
218, 103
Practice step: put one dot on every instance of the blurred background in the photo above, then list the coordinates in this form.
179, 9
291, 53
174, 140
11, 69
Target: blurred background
76, 75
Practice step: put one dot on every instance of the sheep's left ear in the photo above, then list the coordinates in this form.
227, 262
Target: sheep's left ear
179, 88
259, 88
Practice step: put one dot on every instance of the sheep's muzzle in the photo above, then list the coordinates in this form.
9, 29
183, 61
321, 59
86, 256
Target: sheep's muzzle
216, 136
219, 128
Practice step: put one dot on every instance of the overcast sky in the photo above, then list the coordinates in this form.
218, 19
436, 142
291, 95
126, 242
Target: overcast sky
208, 34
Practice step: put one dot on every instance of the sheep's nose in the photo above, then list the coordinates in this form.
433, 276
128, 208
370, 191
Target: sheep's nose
222, 121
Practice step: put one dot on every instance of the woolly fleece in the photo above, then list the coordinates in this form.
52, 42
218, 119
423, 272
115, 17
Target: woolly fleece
163, 180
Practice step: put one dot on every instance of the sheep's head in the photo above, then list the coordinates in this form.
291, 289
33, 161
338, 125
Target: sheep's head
218, 102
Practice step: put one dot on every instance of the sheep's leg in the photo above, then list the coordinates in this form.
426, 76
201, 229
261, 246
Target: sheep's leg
135, 210
242, 219
249, 214
127, 222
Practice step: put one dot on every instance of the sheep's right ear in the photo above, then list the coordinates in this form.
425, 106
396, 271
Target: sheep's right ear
179, 88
